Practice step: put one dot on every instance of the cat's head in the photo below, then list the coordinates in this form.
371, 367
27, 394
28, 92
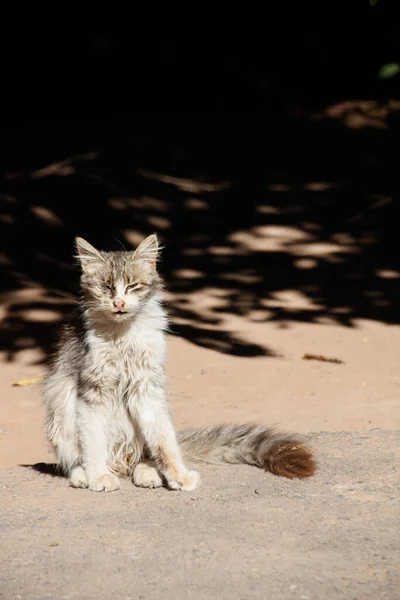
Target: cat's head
118, 284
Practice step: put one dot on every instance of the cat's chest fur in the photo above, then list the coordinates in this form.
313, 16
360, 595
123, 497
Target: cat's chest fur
125, 361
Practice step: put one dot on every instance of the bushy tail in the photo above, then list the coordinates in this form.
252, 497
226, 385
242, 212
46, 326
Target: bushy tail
256, 445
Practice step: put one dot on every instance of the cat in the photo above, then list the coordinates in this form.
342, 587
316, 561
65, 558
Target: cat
106, 407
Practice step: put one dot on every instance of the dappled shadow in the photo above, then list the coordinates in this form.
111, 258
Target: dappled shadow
276, 203
293, 221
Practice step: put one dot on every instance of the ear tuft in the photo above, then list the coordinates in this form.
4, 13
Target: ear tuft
86, 252
148, 251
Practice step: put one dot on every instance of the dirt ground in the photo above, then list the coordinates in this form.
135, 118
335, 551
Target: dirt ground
243, 534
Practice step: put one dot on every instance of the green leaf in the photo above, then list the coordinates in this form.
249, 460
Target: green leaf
389, 70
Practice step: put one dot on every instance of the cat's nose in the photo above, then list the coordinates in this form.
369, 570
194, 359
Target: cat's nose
119, 303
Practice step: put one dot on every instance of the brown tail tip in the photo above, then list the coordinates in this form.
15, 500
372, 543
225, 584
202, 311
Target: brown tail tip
291, 460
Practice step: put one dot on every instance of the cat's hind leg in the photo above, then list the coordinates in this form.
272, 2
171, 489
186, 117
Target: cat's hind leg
160, 437
60, 405
77, 478
69, 459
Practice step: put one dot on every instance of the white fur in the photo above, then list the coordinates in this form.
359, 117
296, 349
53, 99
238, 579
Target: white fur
145, 475
95, 430
105, 400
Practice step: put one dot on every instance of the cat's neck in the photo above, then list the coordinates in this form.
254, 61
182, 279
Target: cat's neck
151, 317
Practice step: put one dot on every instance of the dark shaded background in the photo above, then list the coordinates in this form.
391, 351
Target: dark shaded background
113, 132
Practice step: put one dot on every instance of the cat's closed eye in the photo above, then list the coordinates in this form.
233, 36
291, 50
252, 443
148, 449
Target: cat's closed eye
133, 287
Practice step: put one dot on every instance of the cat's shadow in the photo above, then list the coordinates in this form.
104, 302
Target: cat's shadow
52, 469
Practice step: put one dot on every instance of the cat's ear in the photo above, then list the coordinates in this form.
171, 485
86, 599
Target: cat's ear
86, 252
148, 251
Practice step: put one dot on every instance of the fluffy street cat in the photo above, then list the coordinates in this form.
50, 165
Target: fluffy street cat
106, 407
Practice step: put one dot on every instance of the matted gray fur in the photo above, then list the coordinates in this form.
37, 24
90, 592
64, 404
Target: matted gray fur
106, 407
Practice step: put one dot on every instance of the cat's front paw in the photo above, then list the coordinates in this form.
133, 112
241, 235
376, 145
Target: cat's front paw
187, 482
105, 483
146, 476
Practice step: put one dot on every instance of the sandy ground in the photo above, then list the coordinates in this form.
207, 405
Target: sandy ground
274, 253
243, 534
207, 387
